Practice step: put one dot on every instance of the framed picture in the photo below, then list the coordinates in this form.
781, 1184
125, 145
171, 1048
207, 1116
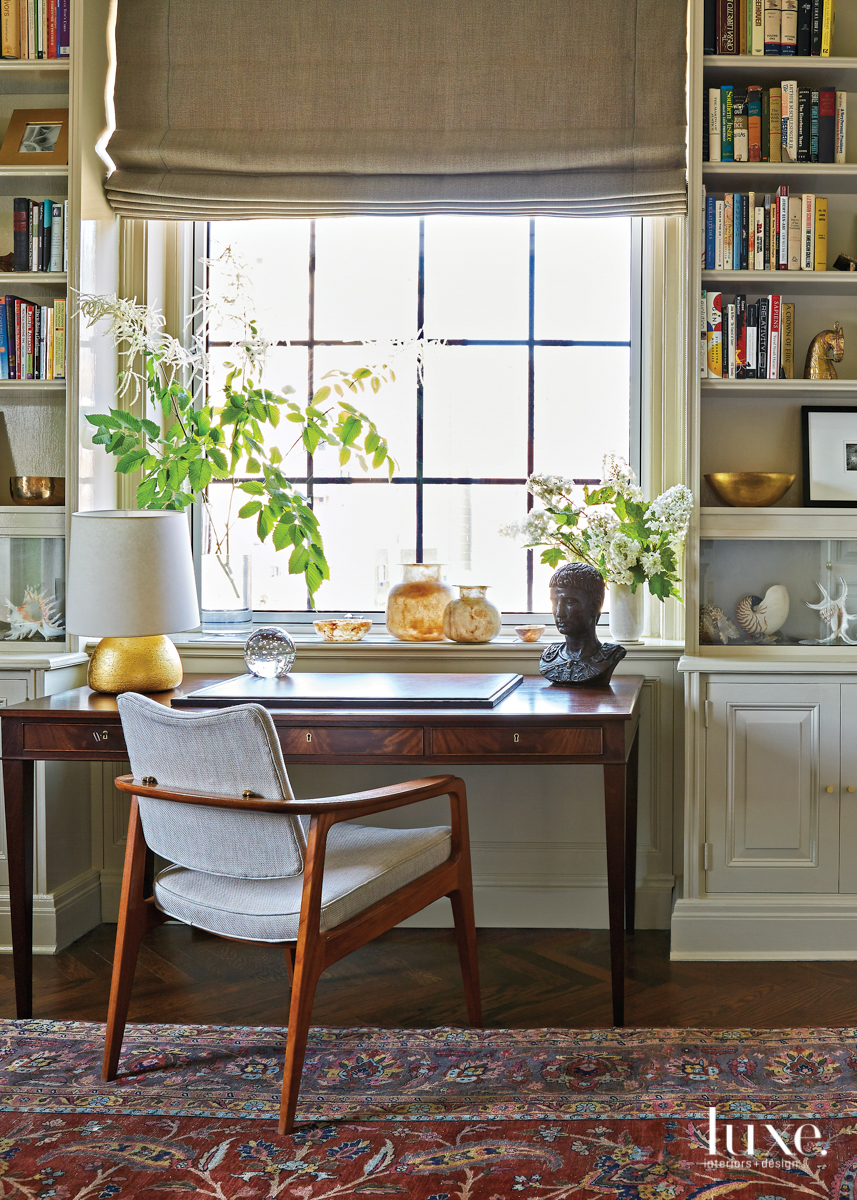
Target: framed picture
829, 456
36, 137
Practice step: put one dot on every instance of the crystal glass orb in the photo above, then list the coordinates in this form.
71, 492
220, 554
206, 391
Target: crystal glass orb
269, 652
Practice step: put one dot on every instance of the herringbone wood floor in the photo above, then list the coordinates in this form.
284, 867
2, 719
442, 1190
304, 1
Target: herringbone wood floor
530, 978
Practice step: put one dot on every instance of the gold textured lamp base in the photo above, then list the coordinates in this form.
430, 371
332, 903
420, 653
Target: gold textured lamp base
134, 664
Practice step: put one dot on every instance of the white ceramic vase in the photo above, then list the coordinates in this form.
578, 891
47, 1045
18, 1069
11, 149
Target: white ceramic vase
626, 612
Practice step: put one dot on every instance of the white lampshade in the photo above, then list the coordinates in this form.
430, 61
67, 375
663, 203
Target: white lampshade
130, 574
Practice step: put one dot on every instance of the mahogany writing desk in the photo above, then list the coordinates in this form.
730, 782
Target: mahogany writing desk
536, 723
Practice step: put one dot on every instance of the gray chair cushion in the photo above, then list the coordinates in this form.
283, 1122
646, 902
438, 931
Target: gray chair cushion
223, 753
362, 864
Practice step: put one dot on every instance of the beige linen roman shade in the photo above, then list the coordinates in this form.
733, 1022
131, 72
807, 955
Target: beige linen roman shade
261, 108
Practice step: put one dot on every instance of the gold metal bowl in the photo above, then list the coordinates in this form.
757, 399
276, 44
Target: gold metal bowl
343, 629
750, 489
37, 489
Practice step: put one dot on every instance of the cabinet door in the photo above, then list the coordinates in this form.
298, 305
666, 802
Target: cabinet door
848, 813
772, 753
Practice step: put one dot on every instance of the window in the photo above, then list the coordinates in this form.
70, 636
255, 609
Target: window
529, 368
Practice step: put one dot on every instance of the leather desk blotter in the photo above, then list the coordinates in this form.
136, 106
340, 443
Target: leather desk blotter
307, 689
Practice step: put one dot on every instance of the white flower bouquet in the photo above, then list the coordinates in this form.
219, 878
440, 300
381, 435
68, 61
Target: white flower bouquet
628, 539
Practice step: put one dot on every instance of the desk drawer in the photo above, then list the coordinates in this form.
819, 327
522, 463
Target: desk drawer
73, 739
350, 739
580, 740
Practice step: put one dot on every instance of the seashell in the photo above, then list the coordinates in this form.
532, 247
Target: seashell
37, 613
715, 626
758, 616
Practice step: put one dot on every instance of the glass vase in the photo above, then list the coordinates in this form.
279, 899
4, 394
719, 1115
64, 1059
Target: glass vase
226, 591
472, 617
415, 606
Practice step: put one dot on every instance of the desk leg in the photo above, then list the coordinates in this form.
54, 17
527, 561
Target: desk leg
18, 779
614, 813
631, 834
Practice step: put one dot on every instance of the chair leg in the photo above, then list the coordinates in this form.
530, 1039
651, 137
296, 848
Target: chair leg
132, 925
306, 972
465, 935
290, 964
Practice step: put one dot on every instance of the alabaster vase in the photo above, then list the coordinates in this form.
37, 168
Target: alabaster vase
626, 612
415, 606
472, 617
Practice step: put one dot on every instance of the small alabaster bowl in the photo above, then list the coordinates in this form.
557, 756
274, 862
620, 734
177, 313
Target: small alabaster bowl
343, 629
529, 633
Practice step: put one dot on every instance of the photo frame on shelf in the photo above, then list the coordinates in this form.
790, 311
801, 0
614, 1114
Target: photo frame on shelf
829, 436
36, 138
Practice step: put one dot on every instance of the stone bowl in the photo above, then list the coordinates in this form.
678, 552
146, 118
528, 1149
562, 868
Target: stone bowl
529, 633
750, 489
343, 629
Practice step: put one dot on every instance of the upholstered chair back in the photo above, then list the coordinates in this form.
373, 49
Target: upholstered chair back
224, 753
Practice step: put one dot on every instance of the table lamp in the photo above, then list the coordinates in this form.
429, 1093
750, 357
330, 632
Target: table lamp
131, 579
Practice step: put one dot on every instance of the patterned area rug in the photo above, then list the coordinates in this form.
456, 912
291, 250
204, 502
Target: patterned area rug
446, 1114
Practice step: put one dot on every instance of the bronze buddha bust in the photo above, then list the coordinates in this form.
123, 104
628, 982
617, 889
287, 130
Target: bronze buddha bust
577, 594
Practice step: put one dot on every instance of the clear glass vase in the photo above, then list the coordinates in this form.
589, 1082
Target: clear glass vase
226, 591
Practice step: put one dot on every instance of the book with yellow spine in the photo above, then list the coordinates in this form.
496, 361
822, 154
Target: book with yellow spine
828, 20
820, 233
59, 339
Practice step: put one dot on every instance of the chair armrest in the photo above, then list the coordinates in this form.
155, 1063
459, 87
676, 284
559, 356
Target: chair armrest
355, 804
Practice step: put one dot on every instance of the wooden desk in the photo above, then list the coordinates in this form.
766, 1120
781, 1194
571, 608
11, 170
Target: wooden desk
537, 723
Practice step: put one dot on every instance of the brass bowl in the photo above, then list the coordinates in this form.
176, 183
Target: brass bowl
37, 489
750, 489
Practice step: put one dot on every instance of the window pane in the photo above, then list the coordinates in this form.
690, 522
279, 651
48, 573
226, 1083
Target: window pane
462, 530
276, 258
367, 528
583, 279
475, 411
393, 408
477, 277
582, 408
366, 278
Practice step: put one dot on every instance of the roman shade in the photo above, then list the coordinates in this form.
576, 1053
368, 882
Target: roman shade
333, 107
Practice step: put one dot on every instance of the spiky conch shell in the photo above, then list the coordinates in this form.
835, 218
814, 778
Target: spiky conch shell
715, 626
758, 616
37, 613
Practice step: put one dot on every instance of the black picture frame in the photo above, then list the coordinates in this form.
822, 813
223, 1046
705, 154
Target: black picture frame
843, 411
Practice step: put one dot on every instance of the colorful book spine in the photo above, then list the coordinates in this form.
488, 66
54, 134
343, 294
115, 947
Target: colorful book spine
63, 28
703, 336
820, 251
841, 114
741, 337
828, 17
773, 15
710, 233
808, 232
719, 208
714, 124
728, 230
826, 125
754, 124
714, 334
764, 332
774, 337
795, 230
759, 248
59, 339
788, 340
813, 126
727, 124
740, 128
752, 340
4, 348
730, 365
788, 91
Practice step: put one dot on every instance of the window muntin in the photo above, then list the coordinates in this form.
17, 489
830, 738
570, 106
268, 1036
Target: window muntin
531, 369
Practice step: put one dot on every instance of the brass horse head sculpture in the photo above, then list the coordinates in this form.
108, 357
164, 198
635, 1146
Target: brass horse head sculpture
825, 349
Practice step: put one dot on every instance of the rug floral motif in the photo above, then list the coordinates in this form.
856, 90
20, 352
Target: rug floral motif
447, 1114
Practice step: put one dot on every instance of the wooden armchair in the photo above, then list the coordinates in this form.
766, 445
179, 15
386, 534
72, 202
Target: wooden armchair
247, 868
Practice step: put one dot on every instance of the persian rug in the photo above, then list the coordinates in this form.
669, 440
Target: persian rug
446, 1114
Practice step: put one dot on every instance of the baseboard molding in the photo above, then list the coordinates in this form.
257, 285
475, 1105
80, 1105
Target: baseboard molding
764, 928
59, 917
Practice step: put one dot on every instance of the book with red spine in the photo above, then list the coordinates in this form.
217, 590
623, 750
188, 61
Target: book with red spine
776, 303
52, 29
30, 330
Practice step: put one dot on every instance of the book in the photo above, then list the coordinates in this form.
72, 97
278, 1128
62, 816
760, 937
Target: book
764, 331
52, 28
752, 340
774, 336
742, 26
4, 351
709, 28
788, 91
740, 130
759, 257
730, 365
841, 114
47, 224
820, 249
788, 341
714, 334
808, 232
706, 122
748, 207
703, 337
828, 17
788, 27
782, 227
64, 29
768, 227
718, 234
10, 37
795, 232
815, 33
714, 115
804, 28
710, 233
766, 124
59, 339
741, 337
28, 312
757, 40
804, 124
56, 238
34, 236
754, 124
727, 123
728, 230
728, 36
20, 226
775, 147
826, 125
773, 14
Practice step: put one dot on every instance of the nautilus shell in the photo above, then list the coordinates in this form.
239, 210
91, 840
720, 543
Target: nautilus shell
715, 626
758, 616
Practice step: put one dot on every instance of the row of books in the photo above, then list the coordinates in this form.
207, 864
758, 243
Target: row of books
35, 28
32, 339
784, 123
795, 27
752, 232
40, 234
746, 341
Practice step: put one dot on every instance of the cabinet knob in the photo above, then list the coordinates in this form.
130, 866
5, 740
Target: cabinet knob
852, 790
829, 789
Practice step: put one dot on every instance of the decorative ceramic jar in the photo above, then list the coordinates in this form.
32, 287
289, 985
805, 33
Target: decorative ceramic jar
472, 617
415, 606
626, 612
